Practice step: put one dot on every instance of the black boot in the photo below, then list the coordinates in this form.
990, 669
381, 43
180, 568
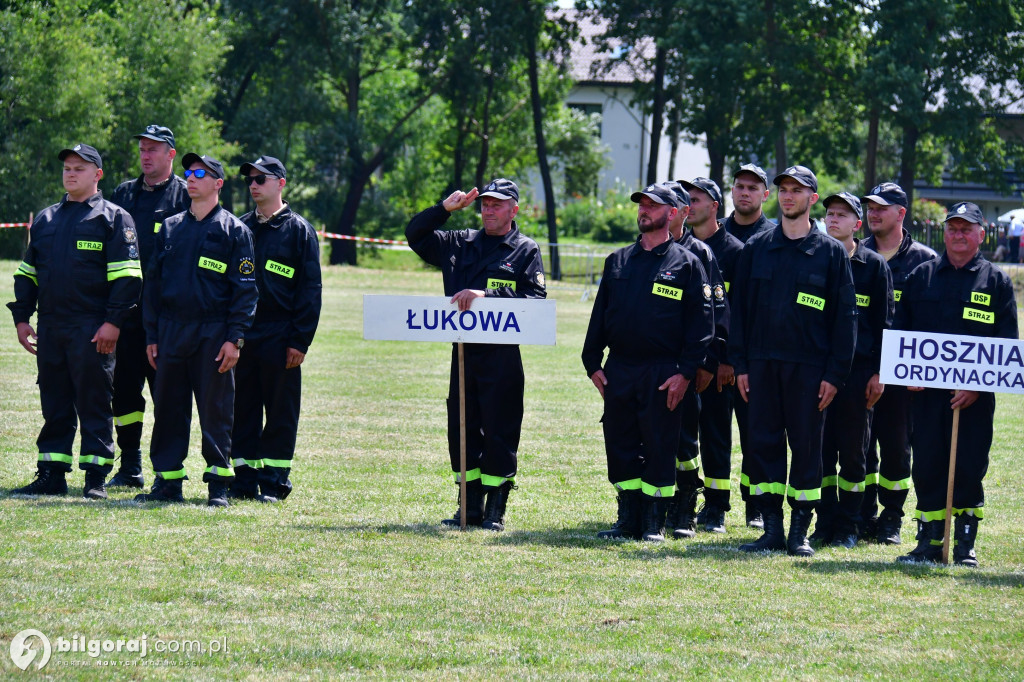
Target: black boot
714, 518
799, 522
824, 526
965, 529
244, 486
845, 535
218, 494
494, 509
474, 506
684, 512
49, 480
773, 539
129, 474
94, 489
628, 524
753, 514
929, 543
163, 491
889, 524
654, 510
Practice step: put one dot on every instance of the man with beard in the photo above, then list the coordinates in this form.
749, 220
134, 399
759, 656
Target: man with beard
794, 327
653, 312
888, 466
749, 192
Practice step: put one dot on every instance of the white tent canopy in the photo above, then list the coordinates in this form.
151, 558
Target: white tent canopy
1015, 214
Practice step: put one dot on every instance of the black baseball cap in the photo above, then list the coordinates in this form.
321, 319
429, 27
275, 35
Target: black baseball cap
682, 196
267, 165
802, 174
157, 133
208, 161
966, 210
753, 169
706, 185
501, 188
887, 194
84, 151
853, 201
659, 193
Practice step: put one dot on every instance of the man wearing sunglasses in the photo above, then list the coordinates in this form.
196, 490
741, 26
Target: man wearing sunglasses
268, 375
200, 299
81, 274
150, 198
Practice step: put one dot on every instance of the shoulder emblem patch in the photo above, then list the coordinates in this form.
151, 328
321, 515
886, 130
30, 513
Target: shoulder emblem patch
707, 292
719, 292
129, 235
246, 266
539, 279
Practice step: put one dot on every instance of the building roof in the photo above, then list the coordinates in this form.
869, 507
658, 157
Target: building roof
592, 62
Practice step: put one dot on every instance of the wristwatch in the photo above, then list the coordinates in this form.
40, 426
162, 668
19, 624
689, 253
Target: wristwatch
239, 343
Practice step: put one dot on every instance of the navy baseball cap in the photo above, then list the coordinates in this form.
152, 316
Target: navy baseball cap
887, 194
267, 165
501, 188
157, 133
966, 210
802, 174
682, 196
853, 201
84, 151
753, 169
659, 193
706, 185
213, 164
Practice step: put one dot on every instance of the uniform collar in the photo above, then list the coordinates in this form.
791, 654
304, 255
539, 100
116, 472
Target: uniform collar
971, 265
272, 220
659, 250
859, 251
809, 244
508, 239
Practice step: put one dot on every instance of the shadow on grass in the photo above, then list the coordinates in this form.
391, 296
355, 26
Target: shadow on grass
978, 576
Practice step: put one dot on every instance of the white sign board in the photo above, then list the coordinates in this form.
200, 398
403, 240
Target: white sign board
523, 321
972, 363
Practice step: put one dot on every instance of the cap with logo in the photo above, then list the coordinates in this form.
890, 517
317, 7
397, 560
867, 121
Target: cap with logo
802, 174
966, 210
85, 152
157, 133
501, 188
706, 185
848, 198
887, 194
682, 196
659, 193
213, 164
753, 169
267, 165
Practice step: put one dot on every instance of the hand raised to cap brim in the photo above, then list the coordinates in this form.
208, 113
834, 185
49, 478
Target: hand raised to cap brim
459, 200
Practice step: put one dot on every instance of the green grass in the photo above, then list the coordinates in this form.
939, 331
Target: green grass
353, 577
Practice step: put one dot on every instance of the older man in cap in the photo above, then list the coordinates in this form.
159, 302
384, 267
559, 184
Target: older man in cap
653, 312
150, 198
888, 457
962, 294
497, 261
792, 339
848, 422
81, 274
268, 377
200, 300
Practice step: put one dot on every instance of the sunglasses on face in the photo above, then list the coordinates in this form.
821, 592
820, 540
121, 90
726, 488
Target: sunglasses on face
200, 173
258, 179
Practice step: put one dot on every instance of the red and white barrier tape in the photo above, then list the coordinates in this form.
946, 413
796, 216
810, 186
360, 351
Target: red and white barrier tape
15, 224
371, 240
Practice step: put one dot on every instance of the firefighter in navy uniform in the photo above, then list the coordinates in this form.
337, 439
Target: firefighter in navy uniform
792, 339
495, 261
697, 437
749, 192
848, 422
888, 458
962, 294
81, 273
653, 312
200, 298
716, 400
150, 198
268, 377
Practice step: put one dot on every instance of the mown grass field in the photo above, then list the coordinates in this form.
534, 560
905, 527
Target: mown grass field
352, 577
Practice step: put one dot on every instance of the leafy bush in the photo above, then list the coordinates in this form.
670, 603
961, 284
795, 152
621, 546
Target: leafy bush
608, 220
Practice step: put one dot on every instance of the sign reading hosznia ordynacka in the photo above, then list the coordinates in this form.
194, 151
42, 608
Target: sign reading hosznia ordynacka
970, 363
524, 321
